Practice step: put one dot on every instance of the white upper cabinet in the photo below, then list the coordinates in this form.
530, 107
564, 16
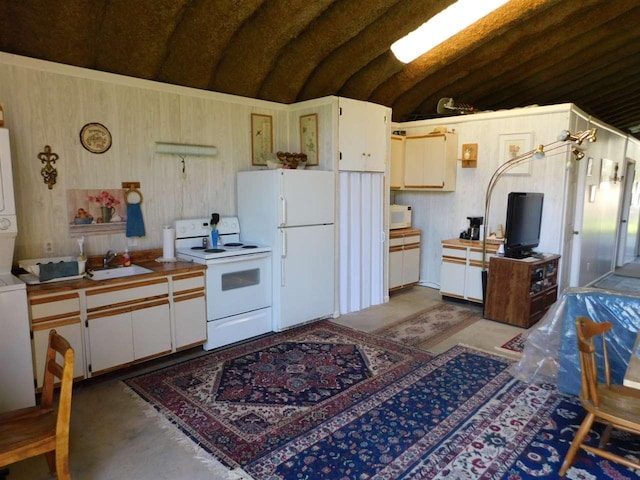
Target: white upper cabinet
430, 162
362, 135
396, 175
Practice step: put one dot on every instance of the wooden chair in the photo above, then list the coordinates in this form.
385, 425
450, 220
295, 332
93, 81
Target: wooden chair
41, 430
616, 406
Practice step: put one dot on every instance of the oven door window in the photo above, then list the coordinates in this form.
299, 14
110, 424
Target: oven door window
241, 279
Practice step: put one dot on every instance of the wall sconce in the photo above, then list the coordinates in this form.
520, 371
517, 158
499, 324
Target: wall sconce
48, 172
577, 153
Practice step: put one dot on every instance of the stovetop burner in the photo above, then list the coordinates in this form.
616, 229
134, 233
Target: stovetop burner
214, 250
197, 248
249, 246
233, 244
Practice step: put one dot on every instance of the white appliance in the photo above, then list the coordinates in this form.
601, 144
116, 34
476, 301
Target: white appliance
293, 211
399, 216
16, 373
238, 279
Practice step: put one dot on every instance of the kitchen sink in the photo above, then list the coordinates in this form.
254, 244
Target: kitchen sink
117, 272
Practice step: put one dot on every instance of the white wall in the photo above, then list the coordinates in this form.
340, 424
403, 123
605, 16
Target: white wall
444, 215
47, 104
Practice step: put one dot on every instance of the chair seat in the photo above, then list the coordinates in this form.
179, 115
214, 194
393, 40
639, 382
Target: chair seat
31, 432
615, 399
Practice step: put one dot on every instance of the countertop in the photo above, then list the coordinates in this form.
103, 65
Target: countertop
143, 258
470, 243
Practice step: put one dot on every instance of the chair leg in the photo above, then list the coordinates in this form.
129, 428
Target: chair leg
62, 464
51, 461
4, 473
577, 441
604, 439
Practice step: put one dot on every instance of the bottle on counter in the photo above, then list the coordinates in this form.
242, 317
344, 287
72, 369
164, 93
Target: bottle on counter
126, 258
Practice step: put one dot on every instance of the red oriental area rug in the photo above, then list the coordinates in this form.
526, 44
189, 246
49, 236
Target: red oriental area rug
244, 401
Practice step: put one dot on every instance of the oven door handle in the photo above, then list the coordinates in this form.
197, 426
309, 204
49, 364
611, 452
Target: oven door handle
240, 258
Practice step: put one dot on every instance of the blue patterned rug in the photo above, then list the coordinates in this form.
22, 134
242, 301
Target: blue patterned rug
325, 402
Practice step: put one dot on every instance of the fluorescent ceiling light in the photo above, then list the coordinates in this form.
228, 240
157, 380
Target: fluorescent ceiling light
440, 27
183, 149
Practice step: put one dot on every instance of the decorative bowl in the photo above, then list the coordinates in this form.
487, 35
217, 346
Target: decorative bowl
82, 220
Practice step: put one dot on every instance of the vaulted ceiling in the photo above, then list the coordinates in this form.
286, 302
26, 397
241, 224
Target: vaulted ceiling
541, 52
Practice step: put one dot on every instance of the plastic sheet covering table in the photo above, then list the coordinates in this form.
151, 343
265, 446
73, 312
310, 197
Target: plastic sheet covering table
551, 351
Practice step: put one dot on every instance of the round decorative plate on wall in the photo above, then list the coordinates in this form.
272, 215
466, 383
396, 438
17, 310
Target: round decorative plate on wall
95, 137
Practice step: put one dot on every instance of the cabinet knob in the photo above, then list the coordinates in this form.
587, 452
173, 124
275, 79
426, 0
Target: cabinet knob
576, 232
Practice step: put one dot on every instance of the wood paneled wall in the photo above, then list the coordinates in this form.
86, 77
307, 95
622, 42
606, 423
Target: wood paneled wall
48, 104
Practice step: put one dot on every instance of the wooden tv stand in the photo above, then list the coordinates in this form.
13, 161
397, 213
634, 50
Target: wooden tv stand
520, 291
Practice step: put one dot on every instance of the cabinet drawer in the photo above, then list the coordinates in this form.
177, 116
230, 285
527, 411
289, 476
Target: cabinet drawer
53, 307
412, 239
476, 254
396, 241
125, 294
188, 282
455, 252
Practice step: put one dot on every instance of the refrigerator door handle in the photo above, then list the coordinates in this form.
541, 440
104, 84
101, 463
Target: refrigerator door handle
284, 243
283, 203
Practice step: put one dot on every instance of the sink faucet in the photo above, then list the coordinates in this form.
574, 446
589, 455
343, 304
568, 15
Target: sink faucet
106, 260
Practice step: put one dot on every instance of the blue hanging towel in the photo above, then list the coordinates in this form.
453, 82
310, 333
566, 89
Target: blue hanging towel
135, 222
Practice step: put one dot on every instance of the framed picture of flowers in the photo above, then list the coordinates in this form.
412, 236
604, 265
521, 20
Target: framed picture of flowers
97, 211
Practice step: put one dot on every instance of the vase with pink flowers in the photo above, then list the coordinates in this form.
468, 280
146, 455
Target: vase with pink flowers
107, 203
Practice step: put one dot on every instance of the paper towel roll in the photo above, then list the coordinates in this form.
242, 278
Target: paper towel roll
168, 246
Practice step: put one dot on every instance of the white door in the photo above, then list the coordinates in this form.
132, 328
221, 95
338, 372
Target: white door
308, 197
151, 330
306, 276
110, 341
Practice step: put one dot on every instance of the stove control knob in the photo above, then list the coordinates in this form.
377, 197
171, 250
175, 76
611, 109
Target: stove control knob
5, 223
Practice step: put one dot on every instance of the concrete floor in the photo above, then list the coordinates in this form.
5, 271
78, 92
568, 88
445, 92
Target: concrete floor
115, 435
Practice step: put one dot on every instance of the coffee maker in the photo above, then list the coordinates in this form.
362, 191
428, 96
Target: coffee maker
473, 232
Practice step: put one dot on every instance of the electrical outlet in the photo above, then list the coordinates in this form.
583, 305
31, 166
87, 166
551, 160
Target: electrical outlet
48, 246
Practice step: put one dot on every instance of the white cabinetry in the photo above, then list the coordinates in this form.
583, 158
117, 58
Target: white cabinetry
404, 258
461, 268
189, 310
363, 134
60, 312
430, 162
396, 175
127, 322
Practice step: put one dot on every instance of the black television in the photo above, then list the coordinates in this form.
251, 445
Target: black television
522, 228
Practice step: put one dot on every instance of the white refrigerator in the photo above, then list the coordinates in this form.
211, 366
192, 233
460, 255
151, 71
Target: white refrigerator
293, 211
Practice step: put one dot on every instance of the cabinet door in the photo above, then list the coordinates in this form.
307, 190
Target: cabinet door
190, 316
395, 268
110, 340
452, 277
396, 181
151, 330
350, 135
424, 162
473, 282
362, 136
411, 264
70, 329
375, 137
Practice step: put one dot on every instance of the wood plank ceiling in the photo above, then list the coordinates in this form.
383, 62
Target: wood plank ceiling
528, 52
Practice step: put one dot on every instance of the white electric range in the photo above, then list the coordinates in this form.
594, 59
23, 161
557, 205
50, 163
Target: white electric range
238, 279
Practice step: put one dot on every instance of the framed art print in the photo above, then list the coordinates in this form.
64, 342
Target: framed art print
512, 146
261, 138
309, 137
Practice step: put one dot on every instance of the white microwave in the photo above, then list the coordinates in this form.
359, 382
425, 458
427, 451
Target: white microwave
400, 216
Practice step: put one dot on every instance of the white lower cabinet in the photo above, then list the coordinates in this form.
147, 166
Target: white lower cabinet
127, 323
461, 268
189, 310
404, 258
119, 324
61, 312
